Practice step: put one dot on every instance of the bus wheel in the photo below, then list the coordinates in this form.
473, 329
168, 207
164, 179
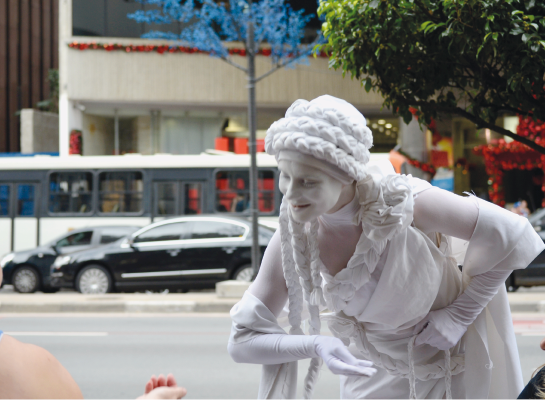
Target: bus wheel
94, 279
26, 280
244, 273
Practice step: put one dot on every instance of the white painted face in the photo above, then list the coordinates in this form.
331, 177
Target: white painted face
310, 192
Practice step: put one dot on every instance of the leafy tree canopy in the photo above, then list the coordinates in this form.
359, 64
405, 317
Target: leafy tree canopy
478, 59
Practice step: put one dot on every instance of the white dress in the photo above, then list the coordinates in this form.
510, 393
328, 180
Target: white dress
390, 285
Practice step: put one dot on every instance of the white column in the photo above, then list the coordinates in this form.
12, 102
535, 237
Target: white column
65, 33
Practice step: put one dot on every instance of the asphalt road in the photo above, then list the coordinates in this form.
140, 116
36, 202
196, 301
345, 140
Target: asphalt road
113, 356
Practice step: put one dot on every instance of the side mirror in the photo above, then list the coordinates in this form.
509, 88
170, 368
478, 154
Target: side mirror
130, 242
55, 249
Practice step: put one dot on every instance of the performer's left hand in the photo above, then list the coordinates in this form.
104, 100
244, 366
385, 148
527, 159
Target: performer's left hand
440, 328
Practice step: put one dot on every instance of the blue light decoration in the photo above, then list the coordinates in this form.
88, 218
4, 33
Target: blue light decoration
208, 26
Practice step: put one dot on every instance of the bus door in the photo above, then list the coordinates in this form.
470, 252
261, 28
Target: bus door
18, 216
172, 198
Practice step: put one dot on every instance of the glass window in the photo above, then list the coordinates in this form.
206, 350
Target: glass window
4, 200
213, 230
166, 198
233, 191
193, 198
25, 200
110, 235
120, 192
76, 239
70, 192
174, 231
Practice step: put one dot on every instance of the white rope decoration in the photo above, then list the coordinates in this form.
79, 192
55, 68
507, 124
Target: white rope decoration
412, 377
295, 292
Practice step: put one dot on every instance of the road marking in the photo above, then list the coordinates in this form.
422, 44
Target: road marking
528, 326
57, 333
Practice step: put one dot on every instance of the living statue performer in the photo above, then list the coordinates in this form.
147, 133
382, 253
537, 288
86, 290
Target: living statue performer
370, 252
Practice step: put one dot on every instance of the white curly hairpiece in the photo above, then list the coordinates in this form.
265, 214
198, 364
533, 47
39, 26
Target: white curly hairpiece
327, 128
332, 130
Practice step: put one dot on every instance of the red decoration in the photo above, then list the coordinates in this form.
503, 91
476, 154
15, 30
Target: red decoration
75, 143
500, 156
161, 49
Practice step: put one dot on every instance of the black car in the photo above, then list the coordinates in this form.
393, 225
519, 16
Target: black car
28, 271
192, 252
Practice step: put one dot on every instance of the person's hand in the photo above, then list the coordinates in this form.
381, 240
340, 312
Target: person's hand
339, 360
163, 388
439, 329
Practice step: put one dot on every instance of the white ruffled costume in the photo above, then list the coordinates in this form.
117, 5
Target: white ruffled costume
396, 276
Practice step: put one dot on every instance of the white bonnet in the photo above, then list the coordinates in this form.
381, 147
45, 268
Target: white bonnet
326, 128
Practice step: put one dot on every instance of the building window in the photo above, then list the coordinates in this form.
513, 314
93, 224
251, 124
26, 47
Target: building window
233, 191
70, 192
120, 192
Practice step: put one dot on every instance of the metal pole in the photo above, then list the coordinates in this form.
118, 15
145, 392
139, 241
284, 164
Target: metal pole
250, 51
116, 132
152, 131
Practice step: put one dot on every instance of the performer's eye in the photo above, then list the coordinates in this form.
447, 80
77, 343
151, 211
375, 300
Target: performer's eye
309, 183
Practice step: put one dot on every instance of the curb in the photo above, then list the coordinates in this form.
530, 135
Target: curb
118, 307
171, 306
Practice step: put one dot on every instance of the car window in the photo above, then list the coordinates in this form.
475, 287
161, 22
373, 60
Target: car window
174, 231
110, 235
216, 229
76, 239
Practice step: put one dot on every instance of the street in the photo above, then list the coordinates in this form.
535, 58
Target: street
113, 355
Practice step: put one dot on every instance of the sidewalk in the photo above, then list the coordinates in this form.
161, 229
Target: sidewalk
200, 302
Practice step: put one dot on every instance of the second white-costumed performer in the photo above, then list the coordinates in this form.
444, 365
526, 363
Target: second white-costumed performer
369, 252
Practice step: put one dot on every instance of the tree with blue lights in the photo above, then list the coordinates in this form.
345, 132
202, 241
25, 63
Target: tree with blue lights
208, 25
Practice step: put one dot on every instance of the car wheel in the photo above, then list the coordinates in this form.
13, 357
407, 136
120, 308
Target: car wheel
93, 279
244, 273
26, 280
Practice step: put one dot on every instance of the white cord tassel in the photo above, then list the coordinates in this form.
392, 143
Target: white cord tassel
448, 374
412, 377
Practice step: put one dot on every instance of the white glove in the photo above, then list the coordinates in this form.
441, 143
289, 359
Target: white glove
339, 360
445, 327
275, 348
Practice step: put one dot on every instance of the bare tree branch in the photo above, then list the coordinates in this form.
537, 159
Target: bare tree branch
234, 64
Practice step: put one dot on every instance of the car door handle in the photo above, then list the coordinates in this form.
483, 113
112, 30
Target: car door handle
229, 250
174, 253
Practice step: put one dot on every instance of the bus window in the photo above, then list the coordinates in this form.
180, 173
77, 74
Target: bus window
25, 200
233, 191
120, 192
70, 192
4, 199
193, 198
166, 198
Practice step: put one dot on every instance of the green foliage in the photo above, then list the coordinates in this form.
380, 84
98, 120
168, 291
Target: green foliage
51, 104
474, 58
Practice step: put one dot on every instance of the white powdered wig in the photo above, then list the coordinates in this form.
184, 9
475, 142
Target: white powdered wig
326, 128
331, 130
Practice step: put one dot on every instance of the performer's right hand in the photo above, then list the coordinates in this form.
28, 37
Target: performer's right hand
339, 360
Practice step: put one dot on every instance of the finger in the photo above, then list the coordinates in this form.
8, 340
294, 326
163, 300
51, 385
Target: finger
365, 363
340, 368
171, 382
153, 381
149, 387
161, 380
343, 354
